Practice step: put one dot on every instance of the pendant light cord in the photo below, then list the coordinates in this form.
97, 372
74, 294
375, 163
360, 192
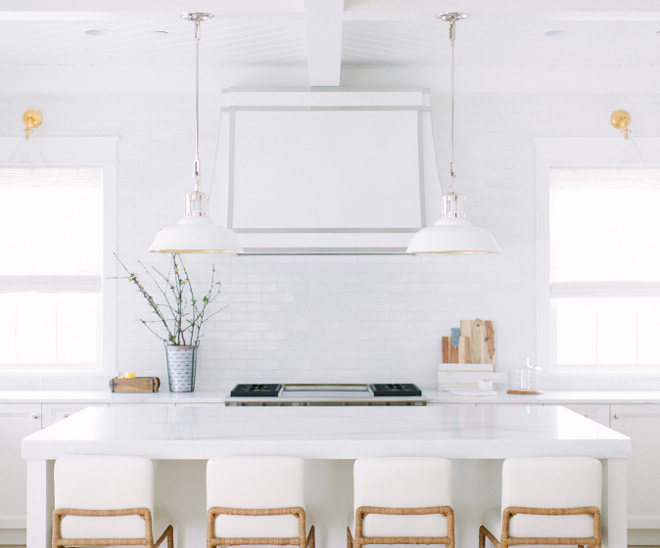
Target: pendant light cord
452, 39
196, 167
451, 18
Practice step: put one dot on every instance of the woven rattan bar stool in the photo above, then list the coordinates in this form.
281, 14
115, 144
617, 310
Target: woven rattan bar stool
105, 501
256, 501
402, 501
554, 501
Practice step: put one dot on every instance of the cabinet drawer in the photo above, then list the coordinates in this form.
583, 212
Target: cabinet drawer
599, 413
54, 412
16, 421
642, 424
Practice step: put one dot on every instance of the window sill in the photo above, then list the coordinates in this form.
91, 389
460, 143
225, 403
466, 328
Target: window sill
615, 378
66, 378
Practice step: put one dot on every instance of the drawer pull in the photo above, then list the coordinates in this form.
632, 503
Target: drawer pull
36, 415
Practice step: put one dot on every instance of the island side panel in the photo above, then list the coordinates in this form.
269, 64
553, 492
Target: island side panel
614, 509
39, 503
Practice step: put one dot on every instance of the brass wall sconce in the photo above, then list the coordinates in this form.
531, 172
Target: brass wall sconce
620, 119
32, 119
27, 151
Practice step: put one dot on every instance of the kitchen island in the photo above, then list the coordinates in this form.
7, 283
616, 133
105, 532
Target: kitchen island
180, 439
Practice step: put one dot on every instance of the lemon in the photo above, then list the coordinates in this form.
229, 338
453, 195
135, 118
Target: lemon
129, 375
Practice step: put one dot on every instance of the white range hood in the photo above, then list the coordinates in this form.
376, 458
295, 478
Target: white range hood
328, 171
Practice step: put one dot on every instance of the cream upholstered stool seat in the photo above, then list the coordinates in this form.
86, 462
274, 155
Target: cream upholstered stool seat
256, 501
105, 500
551, 500
402, 500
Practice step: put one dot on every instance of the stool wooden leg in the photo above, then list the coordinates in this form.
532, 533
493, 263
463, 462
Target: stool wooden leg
167, 534
482, 537
349, 538
485, 533
170, 537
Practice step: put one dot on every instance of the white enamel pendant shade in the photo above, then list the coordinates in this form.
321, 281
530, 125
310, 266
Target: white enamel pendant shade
195, 235
453, 236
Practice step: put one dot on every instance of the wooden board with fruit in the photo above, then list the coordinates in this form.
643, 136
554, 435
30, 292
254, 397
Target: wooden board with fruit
130, 383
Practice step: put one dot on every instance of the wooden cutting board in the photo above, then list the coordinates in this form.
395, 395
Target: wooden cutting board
490, 341
136, 384
480, 342
474, 342
464, 350
450, 352
478, 348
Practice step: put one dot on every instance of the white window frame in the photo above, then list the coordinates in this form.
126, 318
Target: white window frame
573, 153
83, 152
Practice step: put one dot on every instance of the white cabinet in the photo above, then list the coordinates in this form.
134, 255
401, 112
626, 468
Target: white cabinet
138, 407
642, 424
17, 420
53, 412
599, 413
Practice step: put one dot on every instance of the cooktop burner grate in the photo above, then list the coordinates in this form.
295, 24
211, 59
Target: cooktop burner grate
394, 389
321, 390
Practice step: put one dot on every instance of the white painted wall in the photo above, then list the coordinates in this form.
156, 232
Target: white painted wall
337, 318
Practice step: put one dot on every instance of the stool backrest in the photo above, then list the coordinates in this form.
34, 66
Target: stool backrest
402, 482
97, 482
255, 483
552, 482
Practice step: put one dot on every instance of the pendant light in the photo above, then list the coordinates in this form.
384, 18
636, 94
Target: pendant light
195, 232
453, 232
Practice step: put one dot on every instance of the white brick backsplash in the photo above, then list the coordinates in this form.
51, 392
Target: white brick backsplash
335, 318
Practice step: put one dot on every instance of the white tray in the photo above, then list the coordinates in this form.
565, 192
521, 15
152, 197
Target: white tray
475, 392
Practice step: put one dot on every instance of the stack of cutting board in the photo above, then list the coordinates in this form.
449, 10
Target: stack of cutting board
468, 356
474, 342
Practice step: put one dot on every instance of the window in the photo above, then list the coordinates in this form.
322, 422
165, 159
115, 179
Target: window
51, 272
604, 266
58, 223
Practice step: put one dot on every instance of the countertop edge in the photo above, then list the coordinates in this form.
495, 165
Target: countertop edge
553, 397
199, 433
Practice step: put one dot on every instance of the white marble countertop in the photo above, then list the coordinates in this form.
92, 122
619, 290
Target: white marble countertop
549, 397
105, 396
558, 397
479, 432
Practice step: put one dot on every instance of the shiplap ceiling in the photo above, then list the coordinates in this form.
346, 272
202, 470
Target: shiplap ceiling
324, 35
151, 41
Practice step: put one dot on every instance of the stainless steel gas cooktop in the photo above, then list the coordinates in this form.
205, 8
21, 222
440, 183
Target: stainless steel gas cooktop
326, 394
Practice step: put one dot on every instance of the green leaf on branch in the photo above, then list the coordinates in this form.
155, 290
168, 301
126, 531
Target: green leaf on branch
179, 308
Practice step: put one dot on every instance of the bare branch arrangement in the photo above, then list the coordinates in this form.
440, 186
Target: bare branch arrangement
180, 314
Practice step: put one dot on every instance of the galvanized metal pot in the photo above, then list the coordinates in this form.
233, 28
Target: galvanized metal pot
181, 367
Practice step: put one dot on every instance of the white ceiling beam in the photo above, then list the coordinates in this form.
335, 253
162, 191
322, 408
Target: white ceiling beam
81, 8
507, 6
324, 21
